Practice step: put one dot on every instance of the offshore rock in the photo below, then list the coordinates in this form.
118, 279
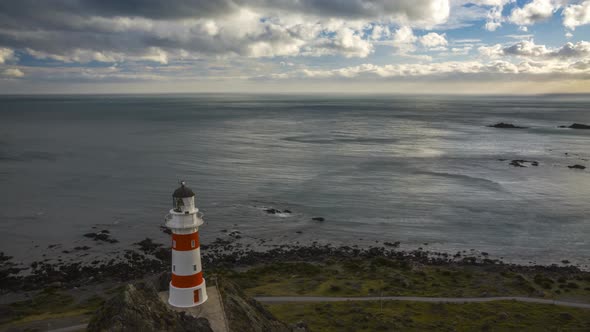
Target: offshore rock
138, 308
520, 163
506, 126
576, 126
576, 166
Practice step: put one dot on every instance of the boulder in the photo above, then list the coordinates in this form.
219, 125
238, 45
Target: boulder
521, 163
576, 126
506, 126
138, 308
577, 166
318, 219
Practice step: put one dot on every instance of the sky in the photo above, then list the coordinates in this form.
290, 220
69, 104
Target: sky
301, 46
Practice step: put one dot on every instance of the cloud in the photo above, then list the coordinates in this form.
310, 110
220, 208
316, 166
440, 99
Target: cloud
520, 37
6, 55
108, 31
433, 40
528, 49
535, 11
13, 73
493, 16
450, 69
576, 14
404, 39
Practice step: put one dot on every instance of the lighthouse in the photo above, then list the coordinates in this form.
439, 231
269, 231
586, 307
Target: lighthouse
187, 287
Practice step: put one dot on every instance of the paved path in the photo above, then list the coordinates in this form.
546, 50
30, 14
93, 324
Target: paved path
286, 299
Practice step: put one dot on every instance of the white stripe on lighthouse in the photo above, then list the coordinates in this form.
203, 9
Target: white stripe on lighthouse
186, 263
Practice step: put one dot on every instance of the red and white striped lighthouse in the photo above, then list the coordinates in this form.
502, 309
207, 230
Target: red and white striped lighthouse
187, 288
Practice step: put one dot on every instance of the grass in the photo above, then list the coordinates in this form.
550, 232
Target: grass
390, 277
416, 316
48, 304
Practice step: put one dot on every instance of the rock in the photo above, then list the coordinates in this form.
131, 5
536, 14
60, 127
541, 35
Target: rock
394, 244
244, 313
506, 126
577, 166
165, 230
286, 211
565, 316
138, 308
272, 211
318, 219
576, 126
300, 326
148, 246
100, 237
520, 163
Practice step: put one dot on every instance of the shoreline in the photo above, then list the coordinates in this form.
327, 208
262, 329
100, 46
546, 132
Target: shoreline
150, 258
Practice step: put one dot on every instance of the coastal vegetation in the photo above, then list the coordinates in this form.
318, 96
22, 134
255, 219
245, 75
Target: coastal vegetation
75, 291
389, 276
416, 316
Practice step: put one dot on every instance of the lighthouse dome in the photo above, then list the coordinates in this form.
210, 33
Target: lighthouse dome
183, 191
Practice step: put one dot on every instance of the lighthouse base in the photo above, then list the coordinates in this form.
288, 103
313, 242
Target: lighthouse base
187, 297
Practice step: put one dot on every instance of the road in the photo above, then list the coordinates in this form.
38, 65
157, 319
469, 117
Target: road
287, 299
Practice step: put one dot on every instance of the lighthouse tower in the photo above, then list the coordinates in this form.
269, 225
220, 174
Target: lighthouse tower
187, 288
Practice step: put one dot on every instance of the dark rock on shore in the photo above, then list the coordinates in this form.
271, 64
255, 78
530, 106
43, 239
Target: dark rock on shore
101, 236
165, 230
394, 244
276, 211
576, 126
138, 308
318, 219
506, 126
520, 163
577, 166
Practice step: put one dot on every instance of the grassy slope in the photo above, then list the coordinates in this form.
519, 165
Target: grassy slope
413, 316
389, 277
48, 304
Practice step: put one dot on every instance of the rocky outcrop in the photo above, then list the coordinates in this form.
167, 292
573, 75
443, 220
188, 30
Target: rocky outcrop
138, 308
245, 314
577, 167
103, 235
522, 163
506, 126
576, 126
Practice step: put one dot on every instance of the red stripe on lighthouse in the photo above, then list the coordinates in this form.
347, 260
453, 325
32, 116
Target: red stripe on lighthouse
187, 281
185, 242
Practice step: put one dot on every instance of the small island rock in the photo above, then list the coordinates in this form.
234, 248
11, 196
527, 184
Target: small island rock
506, 126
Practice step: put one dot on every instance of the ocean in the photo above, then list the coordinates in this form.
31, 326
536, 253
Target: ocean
422, 170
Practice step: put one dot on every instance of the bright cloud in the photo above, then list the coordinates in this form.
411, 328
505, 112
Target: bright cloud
433, 40
529, 49
535, 11
6, 55
13, 72
576, 14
